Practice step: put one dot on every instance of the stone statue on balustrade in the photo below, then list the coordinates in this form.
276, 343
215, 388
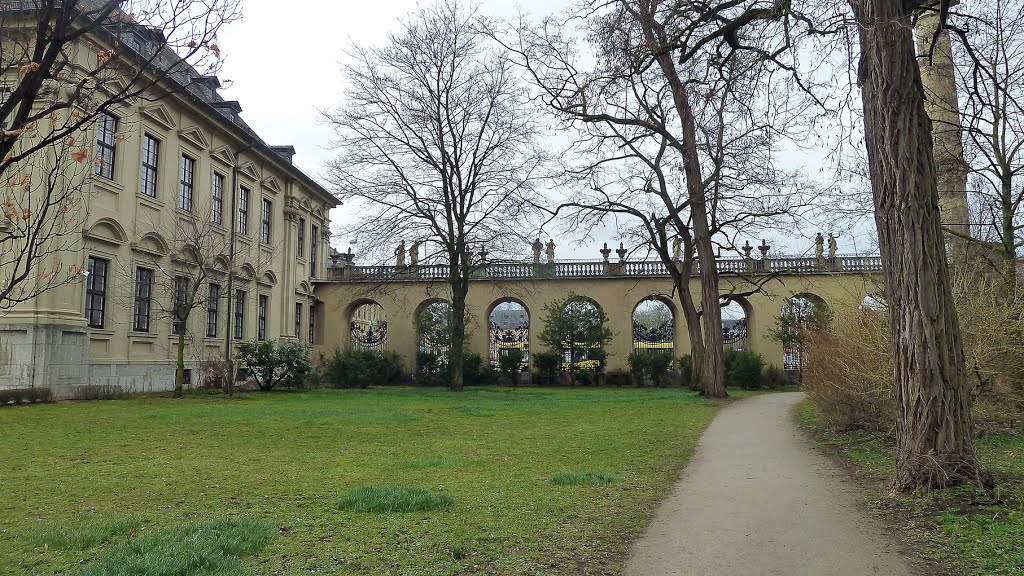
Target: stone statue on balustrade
677, 248
537, 246
414, 253
549, 251
833, 246
819, 249
400, 254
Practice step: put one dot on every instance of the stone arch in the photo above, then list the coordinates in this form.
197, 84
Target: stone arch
801, 314
305, 287
653, 320
508, 328
368, 325
581, 358
107, 230
268, 278
737, 323
432, 320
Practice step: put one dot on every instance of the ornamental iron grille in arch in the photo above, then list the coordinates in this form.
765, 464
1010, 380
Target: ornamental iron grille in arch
734, 337
657, 337
509, 327
434, 325
369, 328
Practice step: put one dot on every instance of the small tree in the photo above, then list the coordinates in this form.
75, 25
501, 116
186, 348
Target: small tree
271, 363
509, 362
573, 325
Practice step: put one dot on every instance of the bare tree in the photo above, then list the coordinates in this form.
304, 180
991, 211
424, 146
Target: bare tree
437, 142
71, 63
933, 425
192, 280
671, 121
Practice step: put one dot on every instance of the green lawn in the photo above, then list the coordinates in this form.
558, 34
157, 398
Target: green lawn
505, 481
971, 532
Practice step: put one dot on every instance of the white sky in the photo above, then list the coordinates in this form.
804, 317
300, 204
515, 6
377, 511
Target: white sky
282, 60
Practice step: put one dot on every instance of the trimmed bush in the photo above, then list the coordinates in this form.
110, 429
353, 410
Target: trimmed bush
619, 378
775, 377
509, 363
384, 499
476, 372
102, 392
588, 477
649, 365
744, 369
362, 368
546, 364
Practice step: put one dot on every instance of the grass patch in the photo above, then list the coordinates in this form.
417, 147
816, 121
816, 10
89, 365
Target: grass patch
77, 535
281, 458
589, 477
968, 530
211, 548
383, 499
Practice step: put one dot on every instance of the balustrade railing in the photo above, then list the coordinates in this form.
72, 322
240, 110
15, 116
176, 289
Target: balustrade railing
783, 265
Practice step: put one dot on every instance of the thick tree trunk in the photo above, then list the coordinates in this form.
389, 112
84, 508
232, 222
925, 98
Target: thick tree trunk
460, 288
935, 60
693, 325
933, 423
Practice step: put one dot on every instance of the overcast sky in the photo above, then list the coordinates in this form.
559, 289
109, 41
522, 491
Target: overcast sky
282, 60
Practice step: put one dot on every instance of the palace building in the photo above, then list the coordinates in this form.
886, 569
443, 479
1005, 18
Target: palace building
176, 162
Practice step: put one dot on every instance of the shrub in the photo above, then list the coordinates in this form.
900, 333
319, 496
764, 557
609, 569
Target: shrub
509, 363
361, 368
685, 366
848, 371
382, 499
649, 365
477, 372
98, 392
744, 369
546, 364
271, 363
775, 377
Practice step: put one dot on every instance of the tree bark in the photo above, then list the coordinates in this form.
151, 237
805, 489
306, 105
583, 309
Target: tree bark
693, 321
933, 423
460, 288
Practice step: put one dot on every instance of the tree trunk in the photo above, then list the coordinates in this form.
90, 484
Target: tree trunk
693, 323
179, 370
460, 288
933, 422
713, 371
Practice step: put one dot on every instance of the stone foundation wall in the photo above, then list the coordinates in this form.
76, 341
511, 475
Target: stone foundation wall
45, 355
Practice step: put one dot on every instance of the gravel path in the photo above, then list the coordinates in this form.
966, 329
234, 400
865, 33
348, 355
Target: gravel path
758, 500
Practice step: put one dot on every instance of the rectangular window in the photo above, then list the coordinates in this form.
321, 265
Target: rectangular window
150, 159
239, 314
96, 291
211, 310
261, 317
188, 173
179, 311
217, 212
265, 221
312, 326
302, 238
298, 320
243, 210
106, 129
312, 251
143, 294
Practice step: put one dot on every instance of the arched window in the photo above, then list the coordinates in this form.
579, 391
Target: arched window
369, 326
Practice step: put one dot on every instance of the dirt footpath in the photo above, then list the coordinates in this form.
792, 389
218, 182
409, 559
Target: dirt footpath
757, 500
